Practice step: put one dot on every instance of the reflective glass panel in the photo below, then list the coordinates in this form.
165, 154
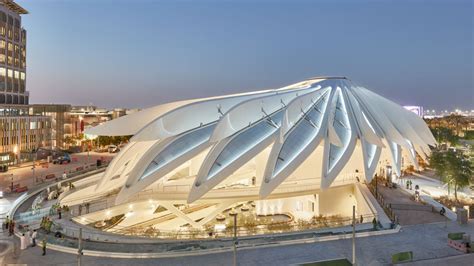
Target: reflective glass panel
183, 144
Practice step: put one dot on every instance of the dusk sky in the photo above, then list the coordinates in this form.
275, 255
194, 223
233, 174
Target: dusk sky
140, 53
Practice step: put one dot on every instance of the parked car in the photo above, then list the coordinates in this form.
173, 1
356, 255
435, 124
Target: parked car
62, 159
113, 149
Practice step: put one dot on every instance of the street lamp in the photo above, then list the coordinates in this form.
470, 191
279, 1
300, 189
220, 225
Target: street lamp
234, 214
34, 150
15, 151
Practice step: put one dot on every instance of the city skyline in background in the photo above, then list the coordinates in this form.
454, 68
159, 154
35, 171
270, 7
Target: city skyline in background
113, 54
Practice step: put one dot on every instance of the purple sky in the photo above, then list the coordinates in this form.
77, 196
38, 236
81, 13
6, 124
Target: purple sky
142, 53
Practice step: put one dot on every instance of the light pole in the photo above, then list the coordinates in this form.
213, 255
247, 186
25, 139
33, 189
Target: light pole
34, 164
234, 240
15, 151
79, 248
353, 235
88, 150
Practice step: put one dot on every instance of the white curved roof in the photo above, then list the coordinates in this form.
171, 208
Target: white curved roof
290, 122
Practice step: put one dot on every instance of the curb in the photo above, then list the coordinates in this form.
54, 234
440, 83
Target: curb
172, 254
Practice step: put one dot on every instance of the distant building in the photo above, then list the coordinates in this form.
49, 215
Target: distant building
418, 110
71, 121
20, 132
60, 120
12, 54
83, 117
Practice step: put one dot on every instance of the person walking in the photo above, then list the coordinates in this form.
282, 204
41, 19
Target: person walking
33, 238
11, 228
23, 245
59, 213
44, 246
7, 222
28, 237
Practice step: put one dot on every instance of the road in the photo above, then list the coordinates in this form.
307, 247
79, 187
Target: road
23, 175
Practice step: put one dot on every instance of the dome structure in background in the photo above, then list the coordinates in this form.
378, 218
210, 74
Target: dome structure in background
318, 130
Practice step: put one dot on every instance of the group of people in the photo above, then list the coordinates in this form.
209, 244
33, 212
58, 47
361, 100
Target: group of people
9, 224
28, 239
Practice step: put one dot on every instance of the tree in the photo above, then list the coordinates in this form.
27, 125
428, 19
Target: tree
444, 134
456, 122
439, 164
68, 140
454, 167
461, 171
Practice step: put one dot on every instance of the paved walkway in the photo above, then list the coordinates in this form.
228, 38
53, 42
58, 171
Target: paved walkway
427, 241
420, 214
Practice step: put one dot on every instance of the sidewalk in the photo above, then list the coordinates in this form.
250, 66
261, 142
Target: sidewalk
428, 243
408, 211
428, 187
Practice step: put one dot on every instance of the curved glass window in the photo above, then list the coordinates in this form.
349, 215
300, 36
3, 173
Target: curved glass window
370, 149
246, 140
301, 135
183, 144
342, 127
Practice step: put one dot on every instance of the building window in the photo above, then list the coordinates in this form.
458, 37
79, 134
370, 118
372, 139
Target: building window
3, 50
10, 53
17, 55
23, 36
2, 78
16, 81
10, 28
9, 80
3, 23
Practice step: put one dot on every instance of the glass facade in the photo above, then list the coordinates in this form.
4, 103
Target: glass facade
18, 130
184, 143
245, 140
12, 59
302, 133
342, 127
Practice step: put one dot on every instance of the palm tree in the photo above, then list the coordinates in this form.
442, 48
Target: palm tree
456, 121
